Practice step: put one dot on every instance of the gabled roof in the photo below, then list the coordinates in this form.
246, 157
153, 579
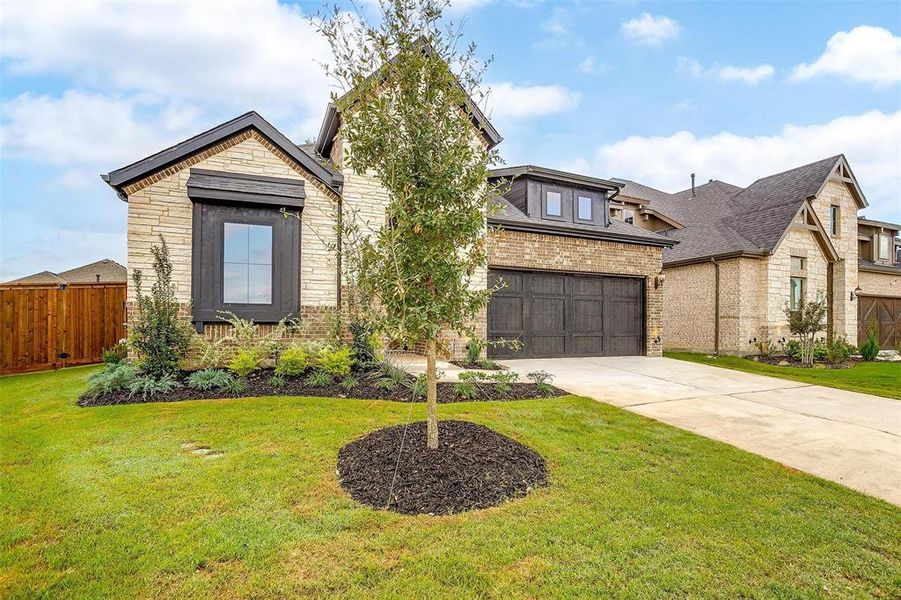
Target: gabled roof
41, 278
331, 122
723, 219
109, 271
120, 178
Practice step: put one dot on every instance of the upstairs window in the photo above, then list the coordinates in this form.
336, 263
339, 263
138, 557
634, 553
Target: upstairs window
799, 263
833, 221
584, 208
553, 204
885, 247
629, 216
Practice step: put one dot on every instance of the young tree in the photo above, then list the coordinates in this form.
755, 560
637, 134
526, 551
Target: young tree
405, 119
806, 321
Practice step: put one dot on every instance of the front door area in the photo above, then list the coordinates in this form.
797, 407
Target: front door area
556, 314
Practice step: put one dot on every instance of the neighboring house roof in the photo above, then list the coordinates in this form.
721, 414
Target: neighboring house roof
724, 219
510, 217
868, 265
101, 271
883, 224
332, 119
120, 178
633, 189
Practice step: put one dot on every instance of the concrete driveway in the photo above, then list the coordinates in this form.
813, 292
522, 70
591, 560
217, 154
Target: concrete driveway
850, 438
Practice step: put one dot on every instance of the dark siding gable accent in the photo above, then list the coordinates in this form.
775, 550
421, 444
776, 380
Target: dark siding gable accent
237, 188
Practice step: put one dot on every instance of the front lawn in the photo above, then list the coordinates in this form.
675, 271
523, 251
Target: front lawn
113, 502
879, 378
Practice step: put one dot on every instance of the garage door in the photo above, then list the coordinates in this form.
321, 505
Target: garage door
885, 313
565, 314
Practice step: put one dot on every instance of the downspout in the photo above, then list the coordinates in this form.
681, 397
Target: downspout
339, 248
716, 306
830, 298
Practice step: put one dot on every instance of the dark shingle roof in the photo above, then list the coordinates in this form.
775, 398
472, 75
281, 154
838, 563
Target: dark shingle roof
42, 278
109, 271
725, 219
633, 189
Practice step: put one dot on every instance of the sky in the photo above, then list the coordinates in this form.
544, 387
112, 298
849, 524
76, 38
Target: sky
649, 91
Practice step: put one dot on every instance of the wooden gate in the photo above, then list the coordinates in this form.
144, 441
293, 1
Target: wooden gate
885, 311
48, 326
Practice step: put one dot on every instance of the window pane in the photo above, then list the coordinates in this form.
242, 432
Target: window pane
234, 283
585, 208
259, 284
236, 242
629, 216
833, 220
796, 291
260, 244
884, 246
554, 205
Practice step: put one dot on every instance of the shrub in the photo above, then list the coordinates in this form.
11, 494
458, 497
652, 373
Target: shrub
820, 349
247, 335
209, 379
505, 380
386, 384
418, 388
765, 348
869, 350
244, 362
208, 354
792, 349
277, 381
487, 363
466, 389
349, 382
387, 369
839, 350
542, 381
149, 386
293, 361
335, 361
156, 332
805, 321
474, 351
235, 386
115, 377
116, 354
320, 379
362, 343
473, 376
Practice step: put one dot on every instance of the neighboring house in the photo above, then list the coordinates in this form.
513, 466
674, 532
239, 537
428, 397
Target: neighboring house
102, 271
746, 253
577, 283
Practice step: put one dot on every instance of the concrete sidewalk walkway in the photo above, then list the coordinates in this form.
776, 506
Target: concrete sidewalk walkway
850, 438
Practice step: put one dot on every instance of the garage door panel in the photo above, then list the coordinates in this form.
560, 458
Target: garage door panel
560, 314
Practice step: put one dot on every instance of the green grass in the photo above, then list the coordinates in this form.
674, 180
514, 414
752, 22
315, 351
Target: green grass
879, 378
104, 502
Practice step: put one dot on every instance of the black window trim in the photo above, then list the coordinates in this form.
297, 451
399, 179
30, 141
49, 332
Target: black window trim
545, 188
592, 200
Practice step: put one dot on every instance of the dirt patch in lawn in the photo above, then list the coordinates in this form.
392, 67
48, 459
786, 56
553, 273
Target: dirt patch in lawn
367, 387
474, 467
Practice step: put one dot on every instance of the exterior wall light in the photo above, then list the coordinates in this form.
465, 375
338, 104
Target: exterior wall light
856, 293
658, 281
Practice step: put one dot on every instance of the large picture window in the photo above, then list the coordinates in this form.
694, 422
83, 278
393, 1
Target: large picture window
247, 264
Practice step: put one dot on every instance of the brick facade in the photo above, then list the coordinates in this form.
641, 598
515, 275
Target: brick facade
550, 252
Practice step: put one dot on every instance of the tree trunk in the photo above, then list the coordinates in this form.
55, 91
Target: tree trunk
431, 396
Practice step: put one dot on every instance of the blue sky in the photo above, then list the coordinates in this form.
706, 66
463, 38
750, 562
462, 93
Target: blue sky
641, 90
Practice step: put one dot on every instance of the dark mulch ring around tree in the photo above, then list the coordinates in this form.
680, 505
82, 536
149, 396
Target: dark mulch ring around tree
487, 365
785, 361
257, 384
474, 467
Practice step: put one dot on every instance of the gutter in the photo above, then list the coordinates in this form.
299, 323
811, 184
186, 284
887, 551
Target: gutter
716, 307
714, 257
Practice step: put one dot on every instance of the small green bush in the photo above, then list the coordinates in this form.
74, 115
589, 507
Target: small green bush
148, 386
337, 362
869, 350
542, 381
235, 387
386, 384
363, 338
766, 348
473, 376
244, 362
114, 377
419, 386
820, 349
474, 351
320, 379
466, 389
792, 349
209, 379
115, 354
385, 369
839, 351
349, 382
277, 381
504, 380
293, 361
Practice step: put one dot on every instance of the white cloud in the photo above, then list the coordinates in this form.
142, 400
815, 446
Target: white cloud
508, 101
591, 66
63, 249
85, 129
870, 141
650, 30
263, 55
747, 75
864, 54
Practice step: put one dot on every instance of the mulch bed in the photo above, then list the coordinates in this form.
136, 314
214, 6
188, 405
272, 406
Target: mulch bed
780, 361
473, 467
258, 385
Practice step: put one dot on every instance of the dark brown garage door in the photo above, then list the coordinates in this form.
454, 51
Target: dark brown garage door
562, 314
885, 312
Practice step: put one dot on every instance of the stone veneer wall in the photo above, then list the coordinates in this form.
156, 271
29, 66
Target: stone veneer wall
540, 251
159, 205
879, 284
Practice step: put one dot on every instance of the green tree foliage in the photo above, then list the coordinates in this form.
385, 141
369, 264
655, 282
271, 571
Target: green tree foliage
156, 332
805, 321
406, 120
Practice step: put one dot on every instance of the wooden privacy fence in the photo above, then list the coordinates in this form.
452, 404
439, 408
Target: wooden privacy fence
51, 326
